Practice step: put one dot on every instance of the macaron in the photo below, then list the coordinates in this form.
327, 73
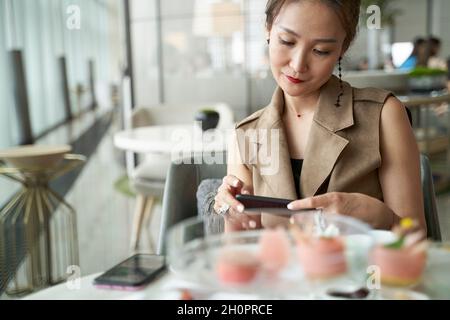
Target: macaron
237, 266
274, 249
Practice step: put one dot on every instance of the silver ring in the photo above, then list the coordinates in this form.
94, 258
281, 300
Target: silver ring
223, 210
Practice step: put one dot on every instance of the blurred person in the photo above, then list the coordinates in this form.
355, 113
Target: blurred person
435, 61
363, 64
418, 56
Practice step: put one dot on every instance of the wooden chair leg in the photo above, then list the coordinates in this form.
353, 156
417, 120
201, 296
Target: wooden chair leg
138, 218
148, 214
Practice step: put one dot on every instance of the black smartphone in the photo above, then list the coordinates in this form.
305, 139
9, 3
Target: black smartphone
132, 274
258, 202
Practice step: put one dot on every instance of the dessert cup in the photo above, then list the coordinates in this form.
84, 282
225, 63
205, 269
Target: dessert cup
399, 267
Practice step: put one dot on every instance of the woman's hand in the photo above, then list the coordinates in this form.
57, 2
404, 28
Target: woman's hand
357, 205
234, 219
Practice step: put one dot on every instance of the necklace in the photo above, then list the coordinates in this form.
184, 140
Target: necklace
299, 115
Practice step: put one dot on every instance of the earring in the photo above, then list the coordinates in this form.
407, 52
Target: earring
338, 101
268, 41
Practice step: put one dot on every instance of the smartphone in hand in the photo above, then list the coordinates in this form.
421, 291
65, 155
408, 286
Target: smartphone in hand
132, 274
258, 202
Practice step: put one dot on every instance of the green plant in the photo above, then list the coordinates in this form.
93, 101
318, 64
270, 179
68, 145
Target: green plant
423, 71
208, 111
388, 11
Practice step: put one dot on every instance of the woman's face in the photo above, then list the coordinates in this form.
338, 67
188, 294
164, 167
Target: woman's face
305, 44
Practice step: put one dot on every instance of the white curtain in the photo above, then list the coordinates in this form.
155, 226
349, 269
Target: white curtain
9, 134
39, 29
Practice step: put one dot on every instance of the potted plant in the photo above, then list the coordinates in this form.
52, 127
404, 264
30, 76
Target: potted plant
209, 118
427, 79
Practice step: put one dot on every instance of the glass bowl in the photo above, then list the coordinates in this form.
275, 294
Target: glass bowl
263, 262
436, 279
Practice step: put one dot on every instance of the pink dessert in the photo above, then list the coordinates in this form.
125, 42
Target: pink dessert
274, 249
237, 267
399, 267
322, 257
403, 261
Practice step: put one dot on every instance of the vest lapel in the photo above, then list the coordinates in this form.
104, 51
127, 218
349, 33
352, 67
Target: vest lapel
324, 144
273, 163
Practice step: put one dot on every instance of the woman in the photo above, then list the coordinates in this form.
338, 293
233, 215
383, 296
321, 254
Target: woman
346, 150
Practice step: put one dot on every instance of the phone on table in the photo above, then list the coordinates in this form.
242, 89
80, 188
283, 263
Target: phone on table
132, 274
267, 204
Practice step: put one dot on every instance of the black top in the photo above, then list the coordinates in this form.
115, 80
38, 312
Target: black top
296, 172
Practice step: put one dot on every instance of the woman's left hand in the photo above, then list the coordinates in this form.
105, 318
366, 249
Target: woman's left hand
357, 205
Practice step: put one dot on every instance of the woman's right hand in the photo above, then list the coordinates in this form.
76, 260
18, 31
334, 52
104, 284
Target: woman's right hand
226, 195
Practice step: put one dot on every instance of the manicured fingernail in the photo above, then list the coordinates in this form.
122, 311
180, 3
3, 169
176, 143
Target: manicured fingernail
240, 208
245, 192
290, 206
252, 224
235, 183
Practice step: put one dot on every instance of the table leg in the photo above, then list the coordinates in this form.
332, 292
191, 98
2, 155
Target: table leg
138, 218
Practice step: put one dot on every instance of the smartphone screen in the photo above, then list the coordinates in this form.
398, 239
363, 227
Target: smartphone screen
136, 271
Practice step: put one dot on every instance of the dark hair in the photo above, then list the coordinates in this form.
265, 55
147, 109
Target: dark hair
434, 41
346, 10
417, 43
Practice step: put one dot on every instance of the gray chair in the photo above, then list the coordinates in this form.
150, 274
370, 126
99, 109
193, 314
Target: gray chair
179, 200
429, 200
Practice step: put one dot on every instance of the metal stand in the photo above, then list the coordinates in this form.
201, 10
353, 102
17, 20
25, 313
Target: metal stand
38, 230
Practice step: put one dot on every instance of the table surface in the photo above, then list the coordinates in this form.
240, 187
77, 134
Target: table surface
172, 138
434, 285
87, 291
418, 100
166, 287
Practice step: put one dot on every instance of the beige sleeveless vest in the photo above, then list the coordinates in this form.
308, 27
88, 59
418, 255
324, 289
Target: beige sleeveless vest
342, 153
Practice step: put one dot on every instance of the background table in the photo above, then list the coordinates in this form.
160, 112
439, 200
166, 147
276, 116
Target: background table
172, 140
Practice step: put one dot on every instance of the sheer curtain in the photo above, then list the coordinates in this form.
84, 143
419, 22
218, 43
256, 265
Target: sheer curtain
39, 29
9, 134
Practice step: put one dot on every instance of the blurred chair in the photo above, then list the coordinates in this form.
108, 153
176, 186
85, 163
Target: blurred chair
180, 201
148, 178
429, 200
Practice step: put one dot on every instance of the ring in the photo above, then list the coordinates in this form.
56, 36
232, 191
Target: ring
223, 210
